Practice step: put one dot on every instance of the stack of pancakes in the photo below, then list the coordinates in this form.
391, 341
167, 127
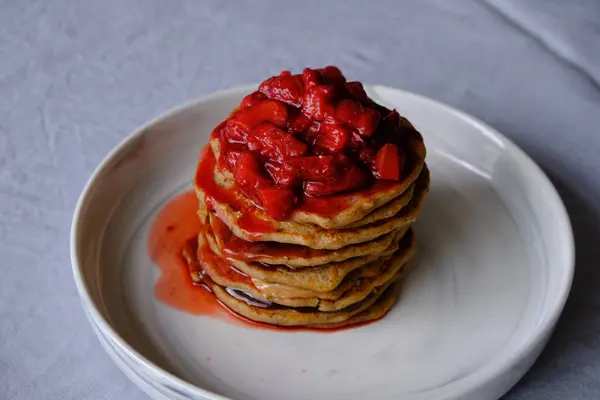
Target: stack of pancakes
334, 262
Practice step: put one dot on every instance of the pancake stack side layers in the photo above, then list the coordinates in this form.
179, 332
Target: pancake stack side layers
307, 194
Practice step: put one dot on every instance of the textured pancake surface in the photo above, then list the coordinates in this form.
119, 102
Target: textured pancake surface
316, 237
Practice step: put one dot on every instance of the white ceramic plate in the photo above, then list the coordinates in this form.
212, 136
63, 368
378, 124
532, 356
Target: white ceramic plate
496, 263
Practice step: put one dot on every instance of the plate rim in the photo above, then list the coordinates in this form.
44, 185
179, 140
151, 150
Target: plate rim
468, 384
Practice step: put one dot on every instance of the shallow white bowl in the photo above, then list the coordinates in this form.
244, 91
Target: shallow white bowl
496, 255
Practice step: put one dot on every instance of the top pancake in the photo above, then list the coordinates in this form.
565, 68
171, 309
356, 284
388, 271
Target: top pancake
314, 236
350, 208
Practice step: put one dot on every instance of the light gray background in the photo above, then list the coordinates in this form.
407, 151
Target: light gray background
77, 76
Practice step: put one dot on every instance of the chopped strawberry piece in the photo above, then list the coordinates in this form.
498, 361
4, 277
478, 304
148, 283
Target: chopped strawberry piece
231, 159
313, 131
357, 91
285, 73
311, 77
318, 102
298, 123
333, 138
248, 174
366, 122
271, 111
333, 75
350, 179
357, 141
277, 202
286, 88
347, 110
387, 163
252, 99
235, 133
314, 168
282, 173
275, 143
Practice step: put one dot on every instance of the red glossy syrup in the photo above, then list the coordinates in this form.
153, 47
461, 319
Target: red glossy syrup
205, 181
245, 250
254, 227
329, 205
216, 266
175, 224
335, 204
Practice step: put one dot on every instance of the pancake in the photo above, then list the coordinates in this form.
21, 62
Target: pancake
357, 204
289, 316
391, 270
322, 278
293, 256
288, 294
316, 237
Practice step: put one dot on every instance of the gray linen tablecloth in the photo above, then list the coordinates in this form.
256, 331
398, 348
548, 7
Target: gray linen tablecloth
77, 76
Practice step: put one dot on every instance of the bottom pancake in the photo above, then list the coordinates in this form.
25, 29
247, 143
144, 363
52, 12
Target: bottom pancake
258, 311
373, 307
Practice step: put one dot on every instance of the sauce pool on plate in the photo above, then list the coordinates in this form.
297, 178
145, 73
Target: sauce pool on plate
175, 224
